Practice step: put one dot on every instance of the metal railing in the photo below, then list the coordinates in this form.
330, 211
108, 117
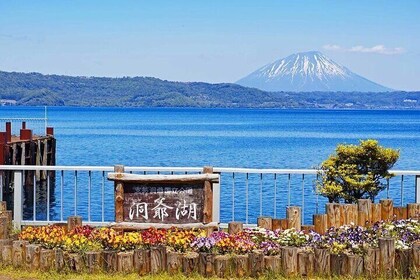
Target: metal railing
244, 194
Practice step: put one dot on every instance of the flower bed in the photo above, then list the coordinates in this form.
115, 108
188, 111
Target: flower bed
284, 251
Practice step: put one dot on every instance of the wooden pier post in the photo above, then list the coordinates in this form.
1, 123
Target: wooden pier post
272, 264
241, 264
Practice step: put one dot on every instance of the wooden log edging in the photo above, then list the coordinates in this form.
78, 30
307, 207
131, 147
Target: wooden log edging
384, 261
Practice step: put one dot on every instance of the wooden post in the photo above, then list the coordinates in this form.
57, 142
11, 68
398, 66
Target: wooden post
265, 222
46, 259
307, 228
73, 222
110, 261
221, 266
241, 265
284, 224
256, 263
18, 253
354, 265
208, 197
125, 262
272, 264
387, 209
333, 214
294, 219
276, 224
320, 223
174, 262
365, 206
289, 260
32, 261
400, 213
402, 263
413, 210
235, 227
371, 262
386, 256
3, 206
362, 219
59, 259
6, 254
376, 212
337, 264
306, 264
415, 252
142, 261
158, 259
190, 263
349, 214
3, 243
206, 264
4, 227
119, 196
322, 261
75, 262
93, 261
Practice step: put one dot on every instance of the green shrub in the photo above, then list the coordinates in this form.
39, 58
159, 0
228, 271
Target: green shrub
356, 171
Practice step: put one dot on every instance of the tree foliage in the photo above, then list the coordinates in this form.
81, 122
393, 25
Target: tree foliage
356, 171
55, 90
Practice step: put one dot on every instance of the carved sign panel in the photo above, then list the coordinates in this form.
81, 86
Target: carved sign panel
173, 203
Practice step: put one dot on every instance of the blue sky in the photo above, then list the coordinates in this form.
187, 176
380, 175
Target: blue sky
211, 41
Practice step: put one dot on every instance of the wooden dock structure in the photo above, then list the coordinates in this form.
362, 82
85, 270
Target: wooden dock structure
26, 149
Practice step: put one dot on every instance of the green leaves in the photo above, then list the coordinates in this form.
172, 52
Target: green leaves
356, 171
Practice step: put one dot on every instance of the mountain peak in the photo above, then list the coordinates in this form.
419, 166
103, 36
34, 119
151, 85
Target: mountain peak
308, 71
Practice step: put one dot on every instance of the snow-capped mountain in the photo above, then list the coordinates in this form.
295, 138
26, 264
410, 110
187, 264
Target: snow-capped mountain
308, 71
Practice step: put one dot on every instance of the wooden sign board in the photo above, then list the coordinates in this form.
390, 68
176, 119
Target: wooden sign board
163, 199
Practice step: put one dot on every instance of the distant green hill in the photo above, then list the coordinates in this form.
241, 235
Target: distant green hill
55, 90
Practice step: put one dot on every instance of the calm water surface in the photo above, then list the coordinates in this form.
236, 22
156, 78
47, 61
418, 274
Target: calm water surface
219, 137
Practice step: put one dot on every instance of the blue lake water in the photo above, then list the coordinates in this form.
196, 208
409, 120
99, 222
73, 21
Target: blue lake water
219, 137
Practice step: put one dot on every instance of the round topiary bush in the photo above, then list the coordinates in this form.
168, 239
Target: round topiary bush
356, 171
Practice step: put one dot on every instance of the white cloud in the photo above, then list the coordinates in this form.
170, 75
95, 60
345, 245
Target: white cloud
378, 49
329, 47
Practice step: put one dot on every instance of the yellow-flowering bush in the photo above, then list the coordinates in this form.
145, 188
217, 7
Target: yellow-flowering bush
356, 171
